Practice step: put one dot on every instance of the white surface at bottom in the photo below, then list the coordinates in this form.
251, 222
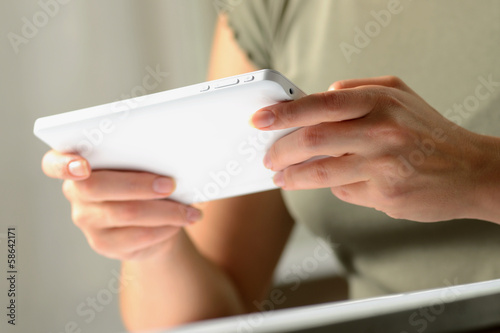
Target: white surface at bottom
339, 312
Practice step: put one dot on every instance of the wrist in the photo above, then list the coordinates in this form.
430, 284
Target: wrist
160, 254
485, 197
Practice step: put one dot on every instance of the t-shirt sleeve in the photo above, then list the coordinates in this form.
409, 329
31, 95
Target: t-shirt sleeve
252, 25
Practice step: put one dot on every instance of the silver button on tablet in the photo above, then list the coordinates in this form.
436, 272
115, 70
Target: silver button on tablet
226, 83
205, 87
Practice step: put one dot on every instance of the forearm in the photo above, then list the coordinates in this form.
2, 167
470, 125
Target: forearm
180, 288
485, 203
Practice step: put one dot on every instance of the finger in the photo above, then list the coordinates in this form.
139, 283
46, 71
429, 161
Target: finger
123, 243
327, 139
119, 214
321, 173
355, 193
367, 195
65, 166
105, 185
336, 105
386, 81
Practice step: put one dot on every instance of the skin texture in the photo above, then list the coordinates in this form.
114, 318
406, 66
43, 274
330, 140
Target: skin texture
384, 147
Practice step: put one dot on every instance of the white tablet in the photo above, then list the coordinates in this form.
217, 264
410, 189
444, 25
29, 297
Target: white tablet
198, 134
455, 308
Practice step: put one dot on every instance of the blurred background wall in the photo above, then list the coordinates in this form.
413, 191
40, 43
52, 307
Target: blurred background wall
63, 55
57, 56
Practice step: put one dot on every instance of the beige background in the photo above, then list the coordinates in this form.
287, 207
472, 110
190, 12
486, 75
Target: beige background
86, 53
90, 52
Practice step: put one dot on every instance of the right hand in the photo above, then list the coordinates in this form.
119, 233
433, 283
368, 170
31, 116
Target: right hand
119, 211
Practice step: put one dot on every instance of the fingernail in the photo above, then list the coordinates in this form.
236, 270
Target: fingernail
262, 119
279, 179
267, 162
193, 214
78, 168
163, 185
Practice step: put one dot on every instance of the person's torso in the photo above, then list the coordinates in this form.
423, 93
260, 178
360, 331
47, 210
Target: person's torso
449, 53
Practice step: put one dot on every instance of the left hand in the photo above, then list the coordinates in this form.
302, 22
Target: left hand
382, 145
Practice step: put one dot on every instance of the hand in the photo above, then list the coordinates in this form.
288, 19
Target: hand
119, 211
382, 146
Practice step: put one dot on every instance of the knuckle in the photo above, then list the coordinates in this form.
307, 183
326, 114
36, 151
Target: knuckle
53, 166
174, 213
394, 81
288, 114
46, 163
341, 192
390, 197
68, 189
80, 217
85, 188
181, 213
333, 101
143, 236
125, 211
388, 131
273, 153
396, 138
310, 137
385, 164
100, 245
319, 174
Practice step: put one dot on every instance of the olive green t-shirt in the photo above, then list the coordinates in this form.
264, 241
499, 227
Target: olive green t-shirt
449, 53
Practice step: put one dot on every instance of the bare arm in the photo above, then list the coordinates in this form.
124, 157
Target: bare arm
219, 265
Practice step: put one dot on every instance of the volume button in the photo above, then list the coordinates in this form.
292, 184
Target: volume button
227, 83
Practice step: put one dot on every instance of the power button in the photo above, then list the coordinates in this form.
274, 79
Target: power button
248, 78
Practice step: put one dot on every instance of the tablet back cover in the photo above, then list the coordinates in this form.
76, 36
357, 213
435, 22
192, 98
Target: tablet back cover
204, 141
